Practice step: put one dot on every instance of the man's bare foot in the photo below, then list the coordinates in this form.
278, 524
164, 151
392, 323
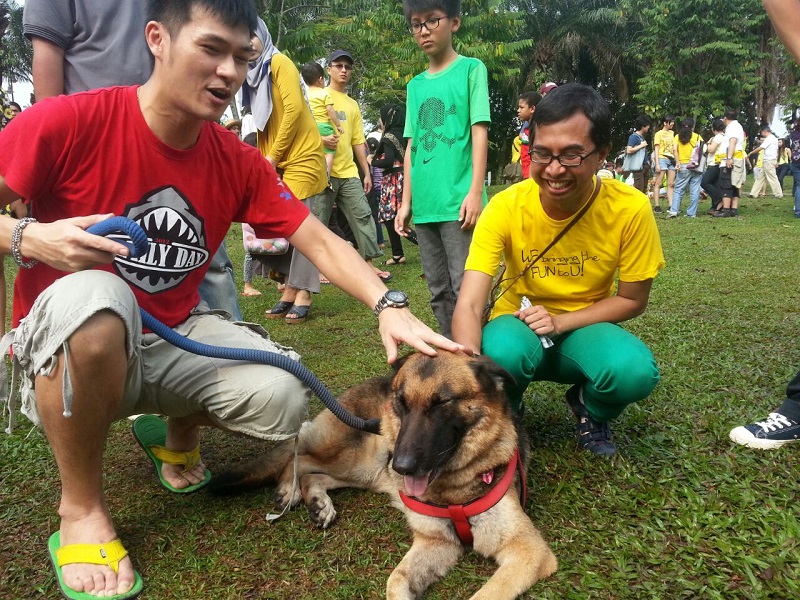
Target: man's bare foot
182, 437
97, 580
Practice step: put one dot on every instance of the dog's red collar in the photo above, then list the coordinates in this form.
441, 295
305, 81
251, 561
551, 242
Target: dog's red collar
460, 513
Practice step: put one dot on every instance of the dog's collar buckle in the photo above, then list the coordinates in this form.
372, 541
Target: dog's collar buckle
459, 513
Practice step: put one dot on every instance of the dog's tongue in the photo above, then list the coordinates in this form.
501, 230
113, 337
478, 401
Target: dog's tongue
416, 486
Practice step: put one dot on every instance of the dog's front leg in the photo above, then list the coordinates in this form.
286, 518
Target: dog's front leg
522, 559
428, 560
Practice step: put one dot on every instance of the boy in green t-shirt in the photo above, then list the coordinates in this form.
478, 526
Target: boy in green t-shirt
445, 163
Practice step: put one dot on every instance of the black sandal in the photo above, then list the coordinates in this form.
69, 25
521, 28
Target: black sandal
279, 310
396, 260
299, 314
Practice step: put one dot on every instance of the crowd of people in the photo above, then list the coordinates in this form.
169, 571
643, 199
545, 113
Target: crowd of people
576, 246
673, 164
714, 165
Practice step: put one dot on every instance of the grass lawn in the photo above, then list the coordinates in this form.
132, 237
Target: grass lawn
680, 513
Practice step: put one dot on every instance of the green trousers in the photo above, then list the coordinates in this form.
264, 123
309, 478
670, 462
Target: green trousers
613, 366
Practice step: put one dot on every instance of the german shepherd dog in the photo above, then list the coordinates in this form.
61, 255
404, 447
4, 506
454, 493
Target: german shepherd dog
446, 428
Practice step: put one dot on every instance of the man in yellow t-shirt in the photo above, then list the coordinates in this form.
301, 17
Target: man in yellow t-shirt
347, 190
595, 276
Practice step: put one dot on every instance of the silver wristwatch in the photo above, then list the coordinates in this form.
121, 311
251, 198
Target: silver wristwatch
391, 299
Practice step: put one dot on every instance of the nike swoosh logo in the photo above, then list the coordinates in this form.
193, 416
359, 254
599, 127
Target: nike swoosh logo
425, 161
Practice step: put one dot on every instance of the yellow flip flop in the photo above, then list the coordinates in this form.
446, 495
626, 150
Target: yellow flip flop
151, 433
95, 554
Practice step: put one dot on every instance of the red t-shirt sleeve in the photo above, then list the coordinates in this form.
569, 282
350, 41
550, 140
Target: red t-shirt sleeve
33, 146
270, 207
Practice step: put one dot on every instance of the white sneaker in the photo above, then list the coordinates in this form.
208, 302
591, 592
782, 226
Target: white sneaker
773, 432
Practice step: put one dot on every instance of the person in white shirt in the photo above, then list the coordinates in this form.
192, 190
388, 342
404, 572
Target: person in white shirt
732, 173
769, 146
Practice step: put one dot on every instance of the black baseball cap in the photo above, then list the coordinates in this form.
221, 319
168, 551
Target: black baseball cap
338, 54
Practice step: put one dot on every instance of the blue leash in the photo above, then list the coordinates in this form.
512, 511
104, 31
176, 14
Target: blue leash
137, 244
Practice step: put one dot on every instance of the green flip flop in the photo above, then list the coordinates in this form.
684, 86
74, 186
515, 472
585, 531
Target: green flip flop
151, 433
98, 554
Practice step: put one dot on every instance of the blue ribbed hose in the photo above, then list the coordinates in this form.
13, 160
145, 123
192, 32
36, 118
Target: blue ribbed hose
137, 243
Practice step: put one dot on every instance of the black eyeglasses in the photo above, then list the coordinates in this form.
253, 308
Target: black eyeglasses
569, 159
429, 24
342, 66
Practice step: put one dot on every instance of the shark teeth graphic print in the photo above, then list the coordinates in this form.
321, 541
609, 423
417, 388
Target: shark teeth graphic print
177, 242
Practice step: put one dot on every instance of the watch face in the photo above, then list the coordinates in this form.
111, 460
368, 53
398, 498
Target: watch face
396, 297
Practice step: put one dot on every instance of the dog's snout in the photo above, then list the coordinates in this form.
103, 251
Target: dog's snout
405, 463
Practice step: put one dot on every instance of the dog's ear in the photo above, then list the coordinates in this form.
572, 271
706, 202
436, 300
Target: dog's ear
398, 364
490, 375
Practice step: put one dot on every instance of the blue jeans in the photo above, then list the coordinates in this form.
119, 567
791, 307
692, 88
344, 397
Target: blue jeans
218, 288
685, 178
666, 164
796, 175
443, 250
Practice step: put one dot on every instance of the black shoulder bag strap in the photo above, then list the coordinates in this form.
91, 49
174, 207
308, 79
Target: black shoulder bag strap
494, 296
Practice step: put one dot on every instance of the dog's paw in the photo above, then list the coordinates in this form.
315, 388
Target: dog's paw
322, 511
284, 497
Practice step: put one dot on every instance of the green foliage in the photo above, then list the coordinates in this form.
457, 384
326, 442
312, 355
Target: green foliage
16, 54
387, 57
578, 40
699, 57
584, 41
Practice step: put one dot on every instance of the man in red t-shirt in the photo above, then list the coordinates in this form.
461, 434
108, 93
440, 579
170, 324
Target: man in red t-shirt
184, 179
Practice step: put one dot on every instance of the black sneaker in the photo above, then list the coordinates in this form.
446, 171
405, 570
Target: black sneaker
592, 435
773, 432
724, 213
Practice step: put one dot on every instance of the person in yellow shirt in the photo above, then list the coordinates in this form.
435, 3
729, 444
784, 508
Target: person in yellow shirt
597, 274
732, 171
512, 173
784, 160
287, 136
348, 192
684, 144
664, 160
715, 154
321, 103
516, 144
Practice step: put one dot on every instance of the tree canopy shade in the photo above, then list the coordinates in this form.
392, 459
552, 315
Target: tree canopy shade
387, 57
699, 57
686, 57
15, 51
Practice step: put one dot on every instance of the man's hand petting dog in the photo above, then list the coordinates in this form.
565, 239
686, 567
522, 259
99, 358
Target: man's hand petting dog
399, 325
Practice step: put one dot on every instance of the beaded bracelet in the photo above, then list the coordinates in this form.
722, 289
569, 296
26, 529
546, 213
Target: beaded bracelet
16, 239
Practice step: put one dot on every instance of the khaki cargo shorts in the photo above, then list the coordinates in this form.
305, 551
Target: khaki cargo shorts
257, 400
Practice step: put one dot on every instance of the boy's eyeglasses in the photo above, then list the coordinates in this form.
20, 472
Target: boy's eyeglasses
342, 66
541, 157
429, 24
